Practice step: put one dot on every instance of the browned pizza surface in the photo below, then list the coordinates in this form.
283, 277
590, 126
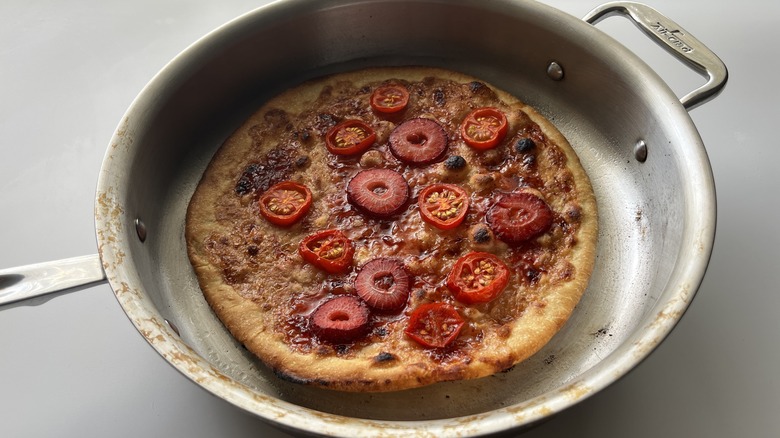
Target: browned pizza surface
253, 273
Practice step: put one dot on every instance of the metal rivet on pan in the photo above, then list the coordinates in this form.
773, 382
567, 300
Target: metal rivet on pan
140, 229
173, 327
640, 151
555, 71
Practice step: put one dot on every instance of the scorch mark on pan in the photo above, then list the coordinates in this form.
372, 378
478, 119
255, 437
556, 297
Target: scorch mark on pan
109, 212
663, 322
121, 136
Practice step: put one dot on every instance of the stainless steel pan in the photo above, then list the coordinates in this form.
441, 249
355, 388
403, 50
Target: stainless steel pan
647, 163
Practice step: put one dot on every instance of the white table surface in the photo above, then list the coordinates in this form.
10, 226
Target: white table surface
76, 367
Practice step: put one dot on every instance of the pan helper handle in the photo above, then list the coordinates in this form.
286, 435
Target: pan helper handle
22, 284
676, 41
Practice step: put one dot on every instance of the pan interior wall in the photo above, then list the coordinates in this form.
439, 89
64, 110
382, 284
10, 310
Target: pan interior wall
601, 112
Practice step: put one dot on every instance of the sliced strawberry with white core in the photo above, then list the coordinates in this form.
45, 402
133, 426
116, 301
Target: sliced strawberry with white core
340, 319
384, 284
378, 192
418, 141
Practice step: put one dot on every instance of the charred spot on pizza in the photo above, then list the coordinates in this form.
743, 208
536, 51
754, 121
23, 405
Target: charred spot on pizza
259, 177
481, 235
455, 162
245, 182
302, 135
280, 157
325, 121
287, 377
476, 86
276, 167
384, 357
532, 275
292, 378
438, 97
574, 212
480, 90
524, 145
302, 162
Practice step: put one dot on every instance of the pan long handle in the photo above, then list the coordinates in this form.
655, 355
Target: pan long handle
676, 41
22, 284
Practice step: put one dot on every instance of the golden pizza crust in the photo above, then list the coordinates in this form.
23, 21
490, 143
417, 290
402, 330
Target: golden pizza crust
252, 314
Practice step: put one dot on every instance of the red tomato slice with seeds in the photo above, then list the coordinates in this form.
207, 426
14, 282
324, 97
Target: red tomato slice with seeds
285, 203
350, 137
389, 99
340, 319
329, 250
378, 192
418, 141
443, 205
478, 277
434, 325
384, 284
519, 216
484, 128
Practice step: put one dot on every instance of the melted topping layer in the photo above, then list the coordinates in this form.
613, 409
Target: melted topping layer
262, 263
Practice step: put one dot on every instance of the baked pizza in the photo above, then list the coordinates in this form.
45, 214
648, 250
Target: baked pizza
391, 228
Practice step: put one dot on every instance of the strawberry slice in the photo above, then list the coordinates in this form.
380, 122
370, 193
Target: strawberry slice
384, 284
378, 192
340, 319
519, 216
418, 141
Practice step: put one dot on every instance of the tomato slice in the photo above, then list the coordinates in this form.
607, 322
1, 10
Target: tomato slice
285, 203
329, 250
478, 277
519, 216
434, 325
484, 128
349, 137
443, 205
389, 99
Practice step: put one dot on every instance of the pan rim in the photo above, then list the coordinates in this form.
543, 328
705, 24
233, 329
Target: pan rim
114, 239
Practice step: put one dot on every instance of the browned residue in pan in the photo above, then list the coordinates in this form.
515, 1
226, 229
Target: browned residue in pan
109, 212
671, 313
